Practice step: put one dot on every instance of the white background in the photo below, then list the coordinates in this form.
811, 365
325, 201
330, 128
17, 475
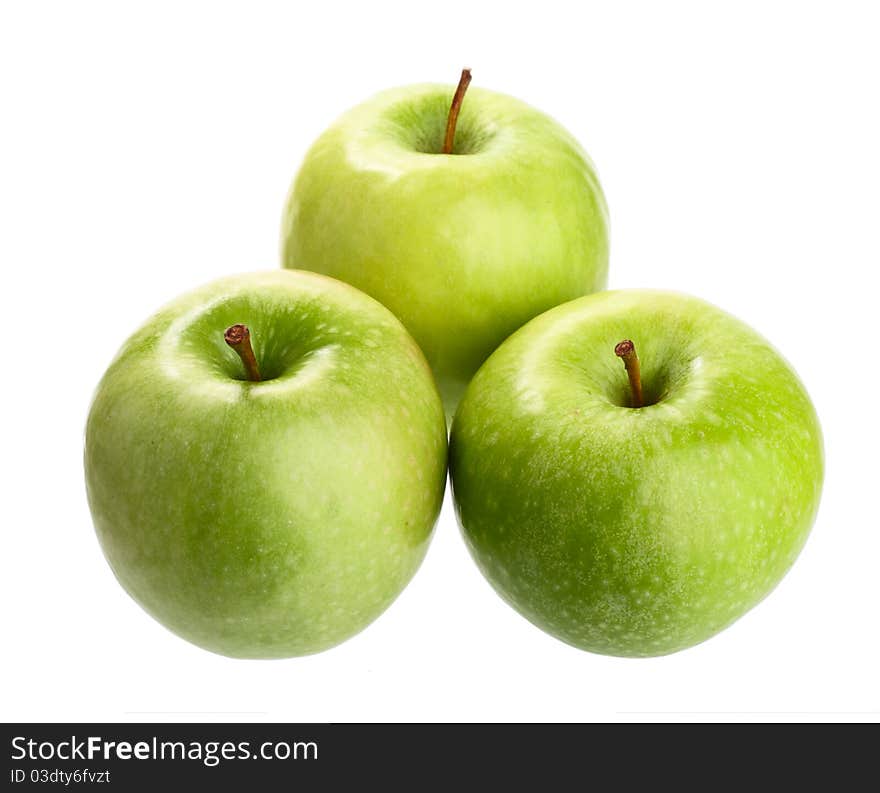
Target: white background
147, 148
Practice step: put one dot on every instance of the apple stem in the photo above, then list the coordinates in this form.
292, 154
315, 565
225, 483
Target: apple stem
239, 338
627, 350
454, 109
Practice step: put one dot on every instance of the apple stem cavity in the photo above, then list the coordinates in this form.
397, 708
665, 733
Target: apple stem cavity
627, 351
239, 338
454, 109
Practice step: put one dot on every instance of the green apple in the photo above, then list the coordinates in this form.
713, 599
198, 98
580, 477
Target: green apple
635, 531
463, 247
276, 517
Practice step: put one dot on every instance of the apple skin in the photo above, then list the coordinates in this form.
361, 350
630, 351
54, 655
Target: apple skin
276, 518
635, 532
464, 248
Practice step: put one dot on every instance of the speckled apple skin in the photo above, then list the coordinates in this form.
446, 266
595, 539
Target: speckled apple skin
466, 247
635, 532
277, 518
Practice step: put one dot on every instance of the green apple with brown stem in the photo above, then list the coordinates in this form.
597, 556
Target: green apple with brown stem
466, 217
635, 511
265, 461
